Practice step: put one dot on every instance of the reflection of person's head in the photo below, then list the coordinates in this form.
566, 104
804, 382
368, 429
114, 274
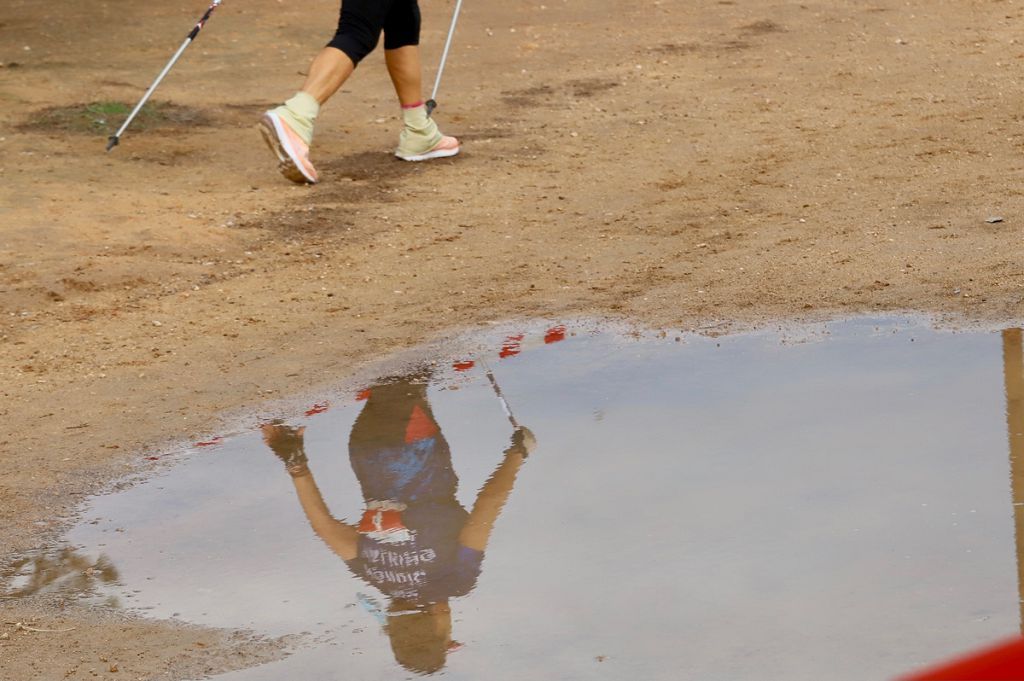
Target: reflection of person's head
420, 638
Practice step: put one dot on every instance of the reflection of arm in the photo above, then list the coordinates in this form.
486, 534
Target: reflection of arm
341, 538
477, 531
287, 444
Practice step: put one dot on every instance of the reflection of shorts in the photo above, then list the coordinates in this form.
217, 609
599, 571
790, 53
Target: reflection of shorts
412, 473
362, 21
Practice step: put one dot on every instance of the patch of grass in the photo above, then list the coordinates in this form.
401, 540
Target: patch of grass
105, 117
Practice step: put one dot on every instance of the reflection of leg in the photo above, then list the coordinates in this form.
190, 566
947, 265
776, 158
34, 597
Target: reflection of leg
1013, 366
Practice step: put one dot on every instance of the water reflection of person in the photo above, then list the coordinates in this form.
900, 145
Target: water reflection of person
415, 542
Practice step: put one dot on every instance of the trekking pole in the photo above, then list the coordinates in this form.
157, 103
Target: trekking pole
114, 140
501, 397
432, 102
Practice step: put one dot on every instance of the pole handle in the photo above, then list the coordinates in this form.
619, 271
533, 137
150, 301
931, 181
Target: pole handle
204, 19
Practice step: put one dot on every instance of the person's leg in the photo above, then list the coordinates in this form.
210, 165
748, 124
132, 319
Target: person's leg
420, 139
406, 74
328, 72
288, 129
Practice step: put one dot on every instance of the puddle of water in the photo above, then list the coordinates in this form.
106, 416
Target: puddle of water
837, 505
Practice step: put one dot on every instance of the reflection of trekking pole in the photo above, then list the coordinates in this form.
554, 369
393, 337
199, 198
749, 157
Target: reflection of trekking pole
432, 102
115, 139
501, 397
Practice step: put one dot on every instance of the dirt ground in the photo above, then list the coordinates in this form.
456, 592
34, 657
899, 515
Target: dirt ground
674, 164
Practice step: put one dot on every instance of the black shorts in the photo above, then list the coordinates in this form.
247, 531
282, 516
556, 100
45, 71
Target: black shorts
362, 21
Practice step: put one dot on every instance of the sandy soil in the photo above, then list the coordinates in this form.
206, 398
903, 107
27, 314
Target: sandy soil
671, 163
101, 645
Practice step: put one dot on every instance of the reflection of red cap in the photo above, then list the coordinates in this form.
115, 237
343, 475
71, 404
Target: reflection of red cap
464, 366
363, 396
1004, 662
554, 335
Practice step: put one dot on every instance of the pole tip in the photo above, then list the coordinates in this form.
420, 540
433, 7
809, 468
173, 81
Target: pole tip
112, 142
431, 105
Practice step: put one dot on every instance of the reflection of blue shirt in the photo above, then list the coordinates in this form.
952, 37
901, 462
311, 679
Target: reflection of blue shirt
399, 455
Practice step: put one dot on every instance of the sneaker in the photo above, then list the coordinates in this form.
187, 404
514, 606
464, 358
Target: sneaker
448, 146
292, 152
